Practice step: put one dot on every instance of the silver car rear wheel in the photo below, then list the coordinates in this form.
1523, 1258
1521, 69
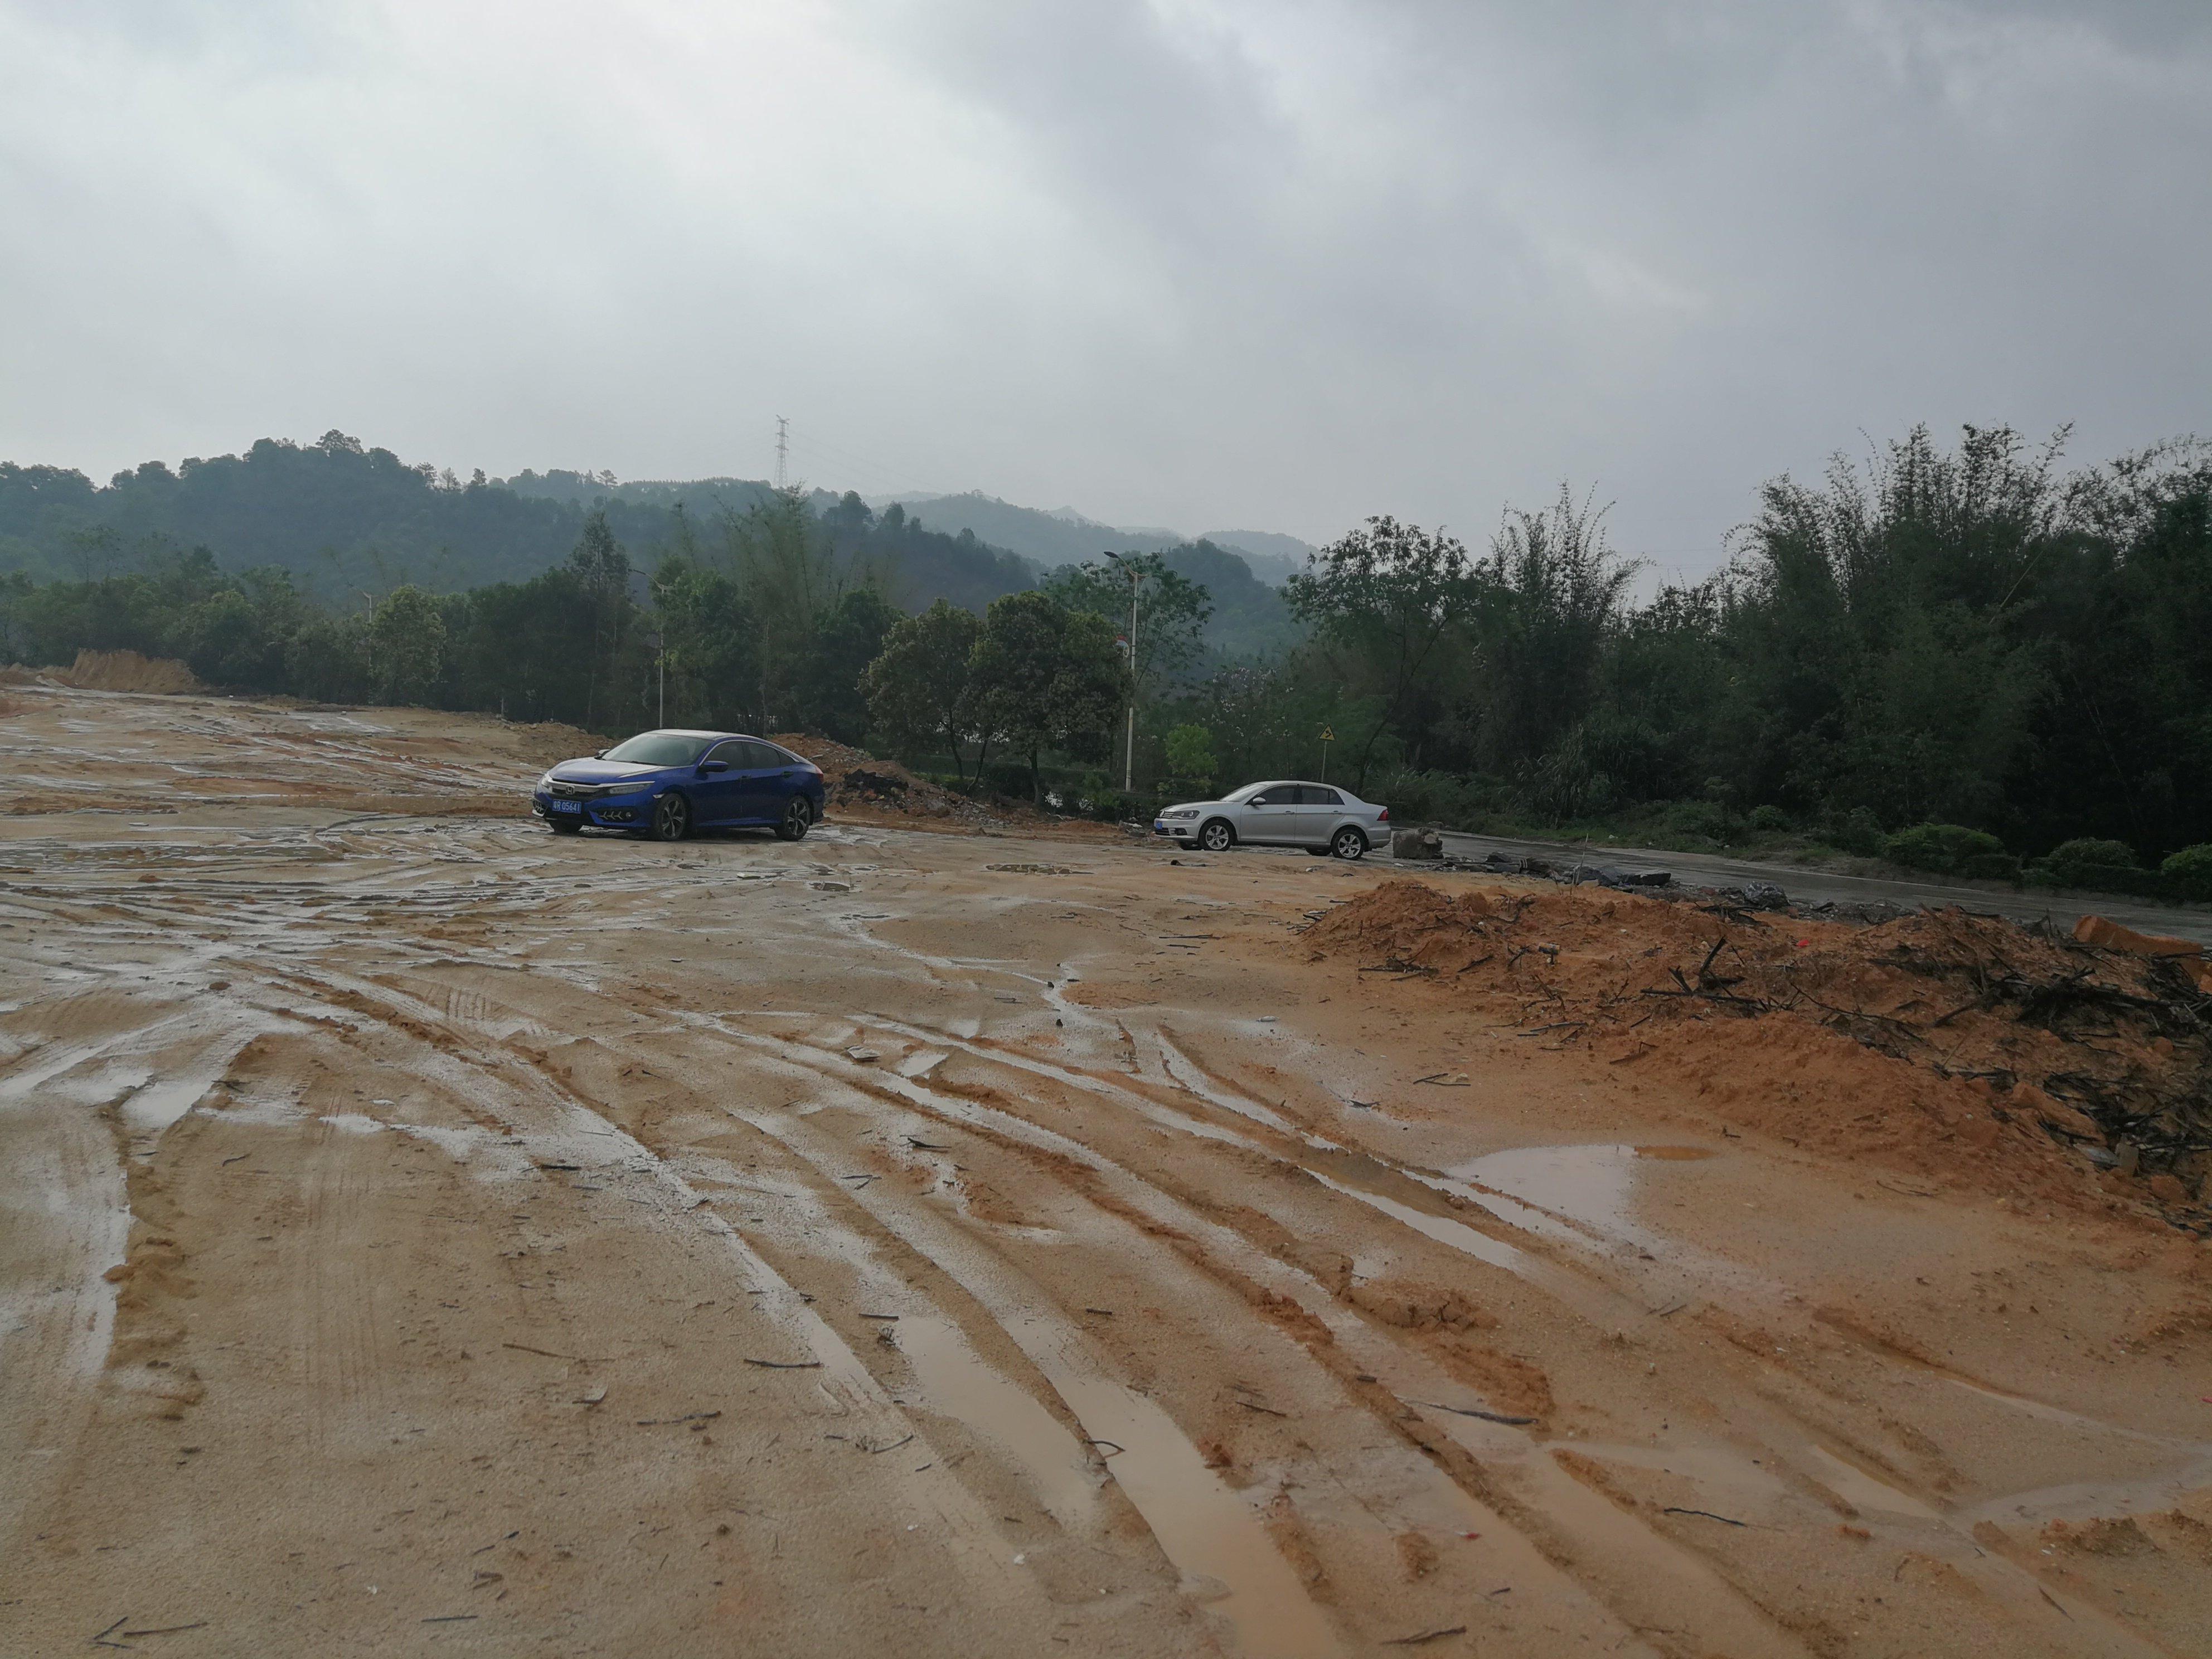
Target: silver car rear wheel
1348, 843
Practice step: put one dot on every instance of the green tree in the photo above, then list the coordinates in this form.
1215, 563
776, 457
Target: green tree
1392, 602
1172, 611
406, 645
1190, 753
1550, 598
601, 568
917, 688
847, 637
1047, 676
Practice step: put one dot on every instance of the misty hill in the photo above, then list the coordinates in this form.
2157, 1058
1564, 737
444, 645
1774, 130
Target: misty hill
1051, 539
349, 521
1273, 557
1061, 535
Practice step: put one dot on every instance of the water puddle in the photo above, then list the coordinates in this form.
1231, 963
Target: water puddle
1862, 1491
1207, 1531
962, 1385
1457, 1234
1578, 1194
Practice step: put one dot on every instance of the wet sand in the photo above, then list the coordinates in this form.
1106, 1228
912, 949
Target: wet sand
420, 1234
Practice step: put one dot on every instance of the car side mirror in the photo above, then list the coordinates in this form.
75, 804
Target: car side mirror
599, 754
706, 767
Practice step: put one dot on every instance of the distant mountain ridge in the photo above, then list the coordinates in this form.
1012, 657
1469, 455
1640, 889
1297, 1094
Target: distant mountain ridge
349, 521
1062, 535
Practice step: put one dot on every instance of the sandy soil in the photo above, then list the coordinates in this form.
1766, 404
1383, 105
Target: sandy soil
420, 1235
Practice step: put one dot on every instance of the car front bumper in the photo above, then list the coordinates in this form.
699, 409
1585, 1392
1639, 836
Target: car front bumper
1183, 829
601, 811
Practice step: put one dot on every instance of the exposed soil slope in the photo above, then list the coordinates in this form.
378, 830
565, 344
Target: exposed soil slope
1964, 1046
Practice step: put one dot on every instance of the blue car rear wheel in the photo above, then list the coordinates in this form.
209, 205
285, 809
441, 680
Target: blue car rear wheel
798, 817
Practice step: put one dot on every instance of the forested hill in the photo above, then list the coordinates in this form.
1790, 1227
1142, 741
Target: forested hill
350, 523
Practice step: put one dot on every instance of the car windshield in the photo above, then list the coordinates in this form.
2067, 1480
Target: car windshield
659, 749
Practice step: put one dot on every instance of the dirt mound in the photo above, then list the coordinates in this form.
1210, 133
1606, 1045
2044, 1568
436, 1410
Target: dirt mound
859, 783
126, 670
1959, 1046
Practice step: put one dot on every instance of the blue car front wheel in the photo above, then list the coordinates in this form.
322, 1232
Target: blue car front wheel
672, 816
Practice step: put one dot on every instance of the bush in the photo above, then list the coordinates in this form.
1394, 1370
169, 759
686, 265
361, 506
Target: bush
1991, 867
1942, 849
2070, 860
1699, 818
1859, 831
1190, 754
2188, 873
1771, 820
1113, 806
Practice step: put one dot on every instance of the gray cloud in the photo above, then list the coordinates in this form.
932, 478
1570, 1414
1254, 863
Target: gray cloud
1186, 262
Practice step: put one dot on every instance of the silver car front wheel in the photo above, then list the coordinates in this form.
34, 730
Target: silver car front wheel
1217, 836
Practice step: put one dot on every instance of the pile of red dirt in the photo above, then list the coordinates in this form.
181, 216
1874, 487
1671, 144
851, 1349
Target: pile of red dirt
860, 785
126, 670
1960, 1046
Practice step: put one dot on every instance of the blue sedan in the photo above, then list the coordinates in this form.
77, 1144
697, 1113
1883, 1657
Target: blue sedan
666, 784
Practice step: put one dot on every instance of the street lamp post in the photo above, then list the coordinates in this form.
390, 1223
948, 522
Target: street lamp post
1129, 753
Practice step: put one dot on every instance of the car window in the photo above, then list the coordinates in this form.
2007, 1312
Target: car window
1314, 795
765, 756
1276, 797
659, 749
730, 754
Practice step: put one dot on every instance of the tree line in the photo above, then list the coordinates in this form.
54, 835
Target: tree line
1970, 636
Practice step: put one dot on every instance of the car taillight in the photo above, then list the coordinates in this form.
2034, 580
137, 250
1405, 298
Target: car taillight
1385, 818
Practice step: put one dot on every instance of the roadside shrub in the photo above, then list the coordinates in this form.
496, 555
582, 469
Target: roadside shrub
2189, 873
1698, 818
1771, 820
1190, 755
1941, 849
1113, 806
1992, 866
2070, 859
1858, 831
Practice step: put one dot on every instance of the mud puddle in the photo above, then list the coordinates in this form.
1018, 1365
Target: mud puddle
1211, 1534
962, 1385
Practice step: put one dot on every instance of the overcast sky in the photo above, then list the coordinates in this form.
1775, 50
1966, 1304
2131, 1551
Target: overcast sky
1200, 263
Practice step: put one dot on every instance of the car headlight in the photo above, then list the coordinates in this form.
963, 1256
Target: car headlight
1181, 812
545, 781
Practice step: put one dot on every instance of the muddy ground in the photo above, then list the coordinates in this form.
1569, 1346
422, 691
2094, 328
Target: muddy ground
421, 1234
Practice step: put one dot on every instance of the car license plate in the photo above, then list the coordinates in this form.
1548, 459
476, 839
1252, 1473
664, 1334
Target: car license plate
568, 806
1159, 823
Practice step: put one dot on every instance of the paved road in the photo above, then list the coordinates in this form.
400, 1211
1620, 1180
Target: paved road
1816, 886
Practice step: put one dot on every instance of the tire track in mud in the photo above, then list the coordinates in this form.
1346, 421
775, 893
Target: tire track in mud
849, 1390
418, 1019
1801, 1448
1658, 1591
1798, 1448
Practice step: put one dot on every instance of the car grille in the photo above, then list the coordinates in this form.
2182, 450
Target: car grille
575, 791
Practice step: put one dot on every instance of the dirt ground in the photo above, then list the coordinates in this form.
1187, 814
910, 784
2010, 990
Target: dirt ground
422, 1235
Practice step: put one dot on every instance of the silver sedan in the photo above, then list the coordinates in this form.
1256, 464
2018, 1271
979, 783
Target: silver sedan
1318, 816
